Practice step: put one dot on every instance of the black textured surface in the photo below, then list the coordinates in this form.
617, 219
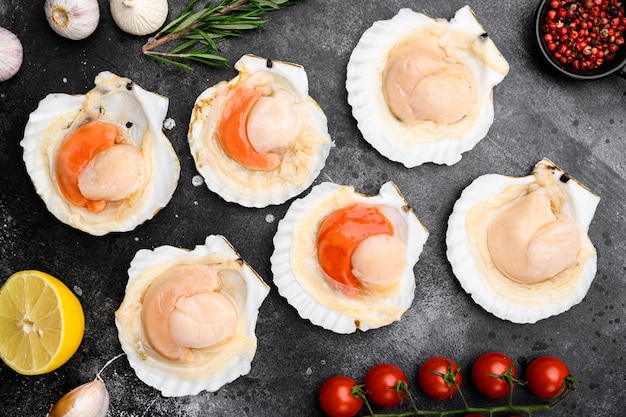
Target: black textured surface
580, 126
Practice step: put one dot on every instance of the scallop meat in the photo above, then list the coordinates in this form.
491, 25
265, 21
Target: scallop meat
421, 88
520, 245
259, 138
100, 161
344, 260
188, 318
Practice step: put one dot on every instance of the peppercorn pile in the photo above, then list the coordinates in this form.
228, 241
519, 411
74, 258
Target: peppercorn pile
584, 34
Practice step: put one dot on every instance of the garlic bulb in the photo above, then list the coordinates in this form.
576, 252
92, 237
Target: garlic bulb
11, 54
88, 400
73, 19
139, 17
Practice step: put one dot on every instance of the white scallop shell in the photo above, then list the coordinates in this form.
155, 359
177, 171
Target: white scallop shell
250, 188
418, 144
119, 101
319, 303
164, 375
507, 300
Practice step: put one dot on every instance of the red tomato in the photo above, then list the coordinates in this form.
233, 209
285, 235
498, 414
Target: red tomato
437, 378
548, 377
337, 398
386, 385
488, 371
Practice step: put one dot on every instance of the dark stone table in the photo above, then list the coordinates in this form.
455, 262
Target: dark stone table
580, 126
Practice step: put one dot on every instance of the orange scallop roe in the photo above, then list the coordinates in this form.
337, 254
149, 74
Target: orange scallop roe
338, 237
232, 130
75, 154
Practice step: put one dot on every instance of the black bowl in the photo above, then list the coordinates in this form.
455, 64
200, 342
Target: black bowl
617, 65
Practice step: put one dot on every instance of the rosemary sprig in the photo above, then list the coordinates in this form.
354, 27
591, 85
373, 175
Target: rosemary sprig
199, 32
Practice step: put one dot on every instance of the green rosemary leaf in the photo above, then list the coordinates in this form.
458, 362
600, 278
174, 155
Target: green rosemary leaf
210, 59
197, 33
189, 7
182, 46
237, 26
171, 24
203, 38
171, 62
188, 21
206, 37
270, 4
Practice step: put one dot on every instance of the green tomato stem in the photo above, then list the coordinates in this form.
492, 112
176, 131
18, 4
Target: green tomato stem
509, 408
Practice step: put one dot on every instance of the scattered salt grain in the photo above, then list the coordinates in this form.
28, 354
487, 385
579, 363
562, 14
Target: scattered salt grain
169, 123
197, 180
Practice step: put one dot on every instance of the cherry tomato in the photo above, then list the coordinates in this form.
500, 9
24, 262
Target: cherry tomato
386, 385
488, 371
436, 377
548, 377
337, 398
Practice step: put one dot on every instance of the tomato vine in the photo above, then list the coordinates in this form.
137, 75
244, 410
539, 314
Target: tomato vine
388, 382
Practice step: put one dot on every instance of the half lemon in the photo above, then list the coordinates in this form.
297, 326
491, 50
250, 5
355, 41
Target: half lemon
41, 322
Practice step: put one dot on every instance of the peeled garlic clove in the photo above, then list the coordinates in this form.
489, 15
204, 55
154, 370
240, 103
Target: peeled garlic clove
88, 400
11, 54
139, 17
73, 19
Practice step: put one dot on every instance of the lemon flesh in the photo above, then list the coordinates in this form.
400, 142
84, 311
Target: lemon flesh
41, 323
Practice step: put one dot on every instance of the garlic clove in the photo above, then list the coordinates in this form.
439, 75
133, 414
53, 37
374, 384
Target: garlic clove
72, 19
139, 17
11, 54
88, 400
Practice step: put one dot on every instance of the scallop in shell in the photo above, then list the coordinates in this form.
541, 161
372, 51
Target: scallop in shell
421, 88
187, 321
345, 260
520, 246
100, 161
259, 138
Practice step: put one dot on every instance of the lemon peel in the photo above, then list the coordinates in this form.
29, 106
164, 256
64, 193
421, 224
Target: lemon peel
41, 322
